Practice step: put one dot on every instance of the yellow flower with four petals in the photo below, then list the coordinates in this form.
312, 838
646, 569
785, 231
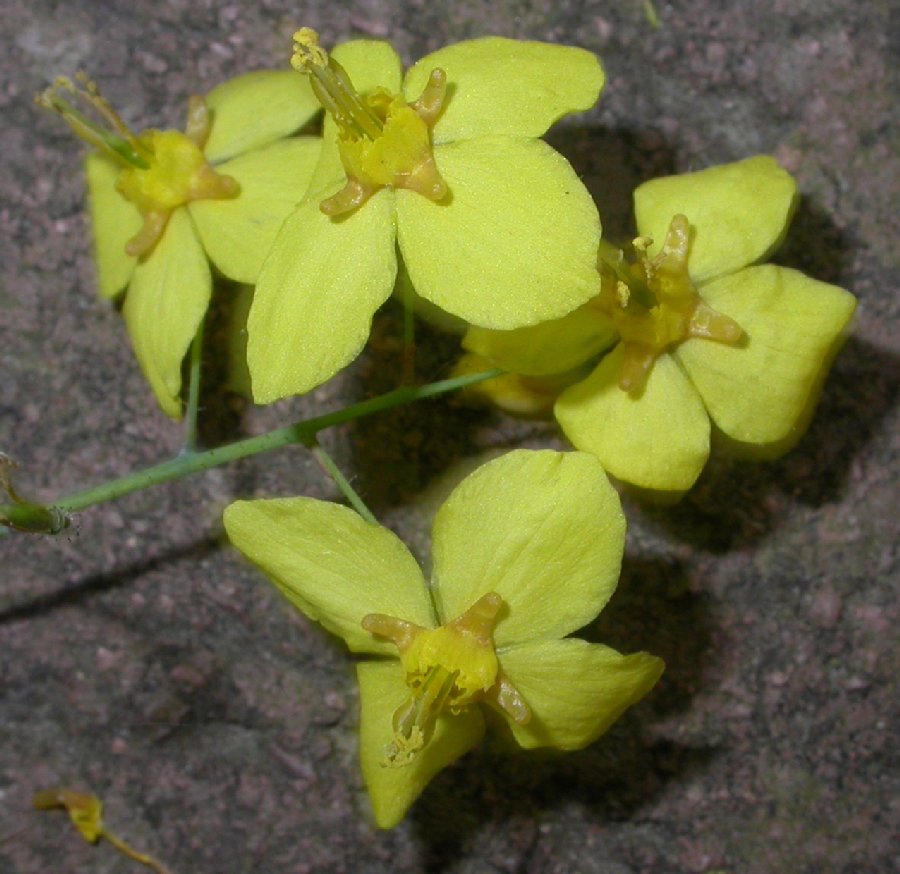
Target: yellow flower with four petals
704, 335
445, 164
164, 204
526, 550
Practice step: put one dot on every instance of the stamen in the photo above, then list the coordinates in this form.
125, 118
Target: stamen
118, 142
414, 721
332, 86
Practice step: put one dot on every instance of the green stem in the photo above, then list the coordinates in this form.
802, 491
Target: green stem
301, 432
326, 462
193, 402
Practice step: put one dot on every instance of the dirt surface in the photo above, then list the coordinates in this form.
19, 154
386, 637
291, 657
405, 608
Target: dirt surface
144, 660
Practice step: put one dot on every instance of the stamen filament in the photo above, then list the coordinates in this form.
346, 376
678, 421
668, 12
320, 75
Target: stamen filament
118, 143
332, 86
414, 721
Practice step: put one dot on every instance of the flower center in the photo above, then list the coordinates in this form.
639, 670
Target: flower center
161, 170
653, 303
383, 140
446, 668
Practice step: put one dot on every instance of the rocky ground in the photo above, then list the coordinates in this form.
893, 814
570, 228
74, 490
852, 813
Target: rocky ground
145, 661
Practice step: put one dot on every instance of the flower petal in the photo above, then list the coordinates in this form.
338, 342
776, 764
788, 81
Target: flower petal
763, 392
739, 213
370, 64
166, 301
526, 396
238, 233
507, 86
544, 530
392, 790
657, 440
515, 242
556, 346
576, 690
114, 220
332, 565
255, 109
316, 295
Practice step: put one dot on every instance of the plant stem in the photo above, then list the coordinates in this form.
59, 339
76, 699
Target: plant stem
326, 462
303, 432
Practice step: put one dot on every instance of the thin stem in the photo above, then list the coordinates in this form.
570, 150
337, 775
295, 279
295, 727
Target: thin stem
300, 432
326, 462
193, 402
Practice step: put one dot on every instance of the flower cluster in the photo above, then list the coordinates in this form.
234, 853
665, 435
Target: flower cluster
436, 178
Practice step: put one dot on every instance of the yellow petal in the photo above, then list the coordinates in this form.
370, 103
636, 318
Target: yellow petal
332, 565
237, 309
238, 233
114, 220
370, 64
329, 173
316, 295
507, 86
739, 213
515, 243
255, 109
392, 790
576, 690
166, 301
526, 396
763, 392
556, 346
658, 440
544, 530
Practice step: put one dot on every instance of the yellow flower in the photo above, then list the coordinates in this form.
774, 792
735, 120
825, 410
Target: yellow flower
443, 163
702, 334
165, 203
526, 550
